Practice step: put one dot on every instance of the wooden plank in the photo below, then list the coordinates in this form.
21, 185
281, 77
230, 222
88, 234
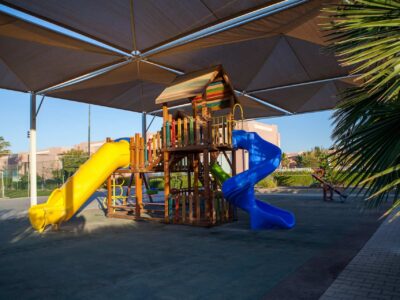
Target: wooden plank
179, 141
141, 153
197, 122
173, 133
137, 151
166, 166
185, 132
165, 119
132, 153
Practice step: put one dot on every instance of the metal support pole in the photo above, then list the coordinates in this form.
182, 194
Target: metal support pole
144, 135
144, 126
89, 132
32, 152
2, 185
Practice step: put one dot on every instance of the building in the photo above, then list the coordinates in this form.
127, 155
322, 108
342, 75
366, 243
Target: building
268, 132
48, 161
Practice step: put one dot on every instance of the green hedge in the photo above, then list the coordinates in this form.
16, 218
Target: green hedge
277, 179
294, 180
269, 183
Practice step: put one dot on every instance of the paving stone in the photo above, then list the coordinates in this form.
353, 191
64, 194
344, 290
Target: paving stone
374, 273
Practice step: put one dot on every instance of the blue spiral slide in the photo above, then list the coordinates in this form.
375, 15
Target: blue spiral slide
264, 158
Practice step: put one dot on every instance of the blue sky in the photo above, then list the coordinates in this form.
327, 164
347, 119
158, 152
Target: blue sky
64, 123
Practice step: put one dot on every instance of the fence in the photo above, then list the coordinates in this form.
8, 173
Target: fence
14, 178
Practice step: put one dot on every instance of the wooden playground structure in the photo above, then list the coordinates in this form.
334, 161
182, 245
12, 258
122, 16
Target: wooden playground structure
188, 143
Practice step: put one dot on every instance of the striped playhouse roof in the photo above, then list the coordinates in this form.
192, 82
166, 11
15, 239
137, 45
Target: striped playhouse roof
218, 96
193, 85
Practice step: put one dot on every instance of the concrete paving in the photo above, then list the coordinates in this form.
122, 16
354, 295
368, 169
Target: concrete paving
93, 257
375, 272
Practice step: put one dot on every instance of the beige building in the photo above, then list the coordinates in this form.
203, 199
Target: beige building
48, 160
266, 131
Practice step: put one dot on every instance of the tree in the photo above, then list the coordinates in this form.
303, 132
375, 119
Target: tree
365, 35
3, 146
72, 160
285, 162
312, 158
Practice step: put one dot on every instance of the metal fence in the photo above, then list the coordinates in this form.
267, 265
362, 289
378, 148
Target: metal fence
14, 178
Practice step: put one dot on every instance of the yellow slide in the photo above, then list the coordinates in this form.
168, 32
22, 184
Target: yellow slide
64, 202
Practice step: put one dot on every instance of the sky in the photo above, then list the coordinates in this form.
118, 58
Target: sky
65, 123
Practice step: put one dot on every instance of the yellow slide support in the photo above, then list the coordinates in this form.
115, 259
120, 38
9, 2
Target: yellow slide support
64, 202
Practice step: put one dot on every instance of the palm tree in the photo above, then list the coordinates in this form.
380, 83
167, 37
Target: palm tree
3, 147
365, 35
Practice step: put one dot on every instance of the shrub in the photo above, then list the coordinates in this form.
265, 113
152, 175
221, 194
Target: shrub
294, 180
268, 183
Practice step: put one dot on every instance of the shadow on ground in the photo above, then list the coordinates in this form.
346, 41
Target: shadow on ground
99, 258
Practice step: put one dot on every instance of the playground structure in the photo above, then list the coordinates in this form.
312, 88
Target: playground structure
192, 143
189, 145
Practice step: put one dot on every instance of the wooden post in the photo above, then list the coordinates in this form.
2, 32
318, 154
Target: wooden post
132, 153
196, 185
137, 151
109, 196
185, 132
206, 180
166, 166
230, 124
189, 183
234, 174
139, 194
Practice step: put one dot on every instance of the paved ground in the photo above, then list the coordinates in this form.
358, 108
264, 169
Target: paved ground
98, 258
375, 272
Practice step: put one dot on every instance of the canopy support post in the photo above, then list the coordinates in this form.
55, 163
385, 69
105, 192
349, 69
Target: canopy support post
144, 126
32, 152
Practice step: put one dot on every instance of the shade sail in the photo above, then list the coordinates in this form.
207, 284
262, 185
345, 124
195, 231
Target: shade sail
154, 21
268, 59
133, 87
33, 58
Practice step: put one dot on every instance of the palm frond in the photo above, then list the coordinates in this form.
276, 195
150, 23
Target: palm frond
365, 35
